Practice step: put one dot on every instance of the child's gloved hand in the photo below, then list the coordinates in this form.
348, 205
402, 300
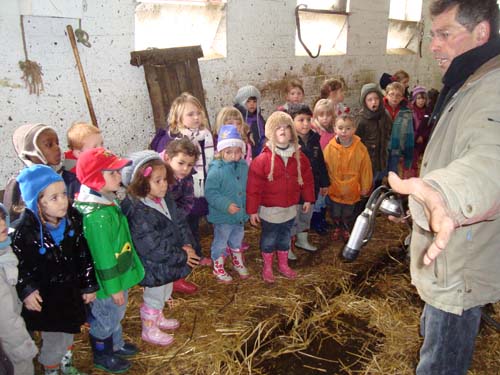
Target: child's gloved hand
34, 301
233, 208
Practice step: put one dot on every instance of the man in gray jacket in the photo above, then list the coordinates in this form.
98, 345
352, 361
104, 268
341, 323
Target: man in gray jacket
455, 204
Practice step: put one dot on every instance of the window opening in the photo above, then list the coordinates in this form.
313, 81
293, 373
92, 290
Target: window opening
321, 23
180, 23
404, 35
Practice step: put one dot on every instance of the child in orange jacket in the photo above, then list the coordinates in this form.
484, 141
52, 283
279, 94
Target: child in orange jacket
350, 172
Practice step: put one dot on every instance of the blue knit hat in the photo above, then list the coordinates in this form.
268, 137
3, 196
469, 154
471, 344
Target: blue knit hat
229, 136
32, 181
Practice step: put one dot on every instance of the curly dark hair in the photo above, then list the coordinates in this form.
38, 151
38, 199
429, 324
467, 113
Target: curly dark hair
139, 186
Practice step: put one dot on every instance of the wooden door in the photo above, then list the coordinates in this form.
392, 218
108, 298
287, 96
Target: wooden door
170, 72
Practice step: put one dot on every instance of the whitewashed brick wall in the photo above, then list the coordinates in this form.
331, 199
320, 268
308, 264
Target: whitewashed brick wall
261, 37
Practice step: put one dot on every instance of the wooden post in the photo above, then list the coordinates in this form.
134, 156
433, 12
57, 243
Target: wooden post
72, 39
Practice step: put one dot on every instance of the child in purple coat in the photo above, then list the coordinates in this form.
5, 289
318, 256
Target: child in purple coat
421, 128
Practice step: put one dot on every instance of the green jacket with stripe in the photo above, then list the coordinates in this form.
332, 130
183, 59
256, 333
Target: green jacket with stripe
117, 265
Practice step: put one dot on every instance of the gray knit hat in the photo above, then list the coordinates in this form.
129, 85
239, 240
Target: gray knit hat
138, 159
368, 88
24, 140
246, 92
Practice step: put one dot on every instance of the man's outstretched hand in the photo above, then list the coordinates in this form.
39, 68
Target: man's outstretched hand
438, 216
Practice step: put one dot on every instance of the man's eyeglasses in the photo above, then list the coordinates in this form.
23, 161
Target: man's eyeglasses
441, 35
445, 35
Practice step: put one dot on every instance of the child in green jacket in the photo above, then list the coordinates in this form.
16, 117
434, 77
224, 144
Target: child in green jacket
117, 265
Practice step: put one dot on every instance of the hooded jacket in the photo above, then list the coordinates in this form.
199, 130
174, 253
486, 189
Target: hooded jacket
374, 129
24, 140
158, 240
254, 120
61, 274
349, 169
55, 261
117, 265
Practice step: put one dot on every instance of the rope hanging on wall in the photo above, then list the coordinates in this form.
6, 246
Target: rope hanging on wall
32, 71
81, 35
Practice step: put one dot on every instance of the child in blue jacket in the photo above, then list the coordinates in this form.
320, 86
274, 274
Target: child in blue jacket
225, 191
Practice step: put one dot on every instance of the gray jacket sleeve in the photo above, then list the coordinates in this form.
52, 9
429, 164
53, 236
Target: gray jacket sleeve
15, 339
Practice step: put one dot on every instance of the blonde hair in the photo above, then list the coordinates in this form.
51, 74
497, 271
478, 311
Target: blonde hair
347, 117
228, 114
77, 133
178, 108
322, 106
277, 119
395, 86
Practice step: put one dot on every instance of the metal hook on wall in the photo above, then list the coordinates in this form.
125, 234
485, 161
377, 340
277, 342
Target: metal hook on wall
299, 35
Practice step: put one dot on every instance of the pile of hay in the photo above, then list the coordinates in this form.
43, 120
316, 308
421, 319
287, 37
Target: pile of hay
336, 318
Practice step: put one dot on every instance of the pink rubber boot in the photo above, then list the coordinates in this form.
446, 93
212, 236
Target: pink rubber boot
267, 271
167, 324
150, 331
283, 265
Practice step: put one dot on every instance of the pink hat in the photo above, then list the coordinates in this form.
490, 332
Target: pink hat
92, 162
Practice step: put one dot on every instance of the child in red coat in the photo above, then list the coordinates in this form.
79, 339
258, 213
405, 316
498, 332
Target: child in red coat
277, 178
